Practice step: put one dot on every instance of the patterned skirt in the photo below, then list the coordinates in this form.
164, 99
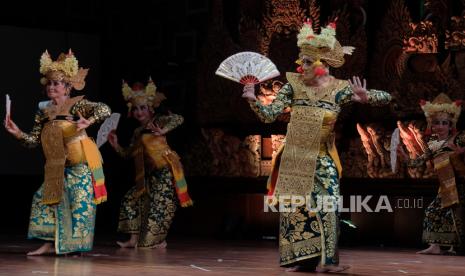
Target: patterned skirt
70, 224
150, 215
306, 235
445, 226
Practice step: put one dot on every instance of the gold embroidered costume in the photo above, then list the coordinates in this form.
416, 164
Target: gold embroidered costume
444, 218
148, 208
63, 209
308, 164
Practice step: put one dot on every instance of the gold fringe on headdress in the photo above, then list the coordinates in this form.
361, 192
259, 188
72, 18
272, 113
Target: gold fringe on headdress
65, 68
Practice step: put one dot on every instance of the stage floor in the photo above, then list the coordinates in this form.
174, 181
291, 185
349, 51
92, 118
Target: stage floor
195, 257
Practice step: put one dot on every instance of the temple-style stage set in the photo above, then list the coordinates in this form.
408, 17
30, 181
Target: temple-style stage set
413, 50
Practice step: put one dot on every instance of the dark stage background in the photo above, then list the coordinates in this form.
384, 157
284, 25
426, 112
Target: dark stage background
172, 42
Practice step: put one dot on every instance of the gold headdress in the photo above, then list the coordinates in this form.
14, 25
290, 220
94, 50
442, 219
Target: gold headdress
441, 104
65, 68
323, 46
138, 94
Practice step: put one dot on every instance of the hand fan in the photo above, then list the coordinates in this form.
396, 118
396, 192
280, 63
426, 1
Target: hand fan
247, 68
8, 105
110, 124
395, 141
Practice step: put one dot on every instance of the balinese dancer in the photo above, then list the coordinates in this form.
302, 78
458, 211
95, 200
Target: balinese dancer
148, 208
64, 207
443, 150
308, 165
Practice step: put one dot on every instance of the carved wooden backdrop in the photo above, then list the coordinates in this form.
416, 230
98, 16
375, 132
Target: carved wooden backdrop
411, 60
417, 60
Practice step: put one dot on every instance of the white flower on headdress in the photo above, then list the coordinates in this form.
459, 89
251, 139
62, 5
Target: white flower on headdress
306, 34
323, 46
326, 38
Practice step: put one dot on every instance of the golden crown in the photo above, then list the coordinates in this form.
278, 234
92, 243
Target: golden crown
65, 68
322, 46
442, 104
326, 38
138, 94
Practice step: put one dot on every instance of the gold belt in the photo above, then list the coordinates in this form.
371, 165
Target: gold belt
74, 151
158, 160
75, 138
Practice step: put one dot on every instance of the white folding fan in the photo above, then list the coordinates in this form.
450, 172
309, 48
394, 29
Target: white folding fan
8, 105
111, 123
247, 68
